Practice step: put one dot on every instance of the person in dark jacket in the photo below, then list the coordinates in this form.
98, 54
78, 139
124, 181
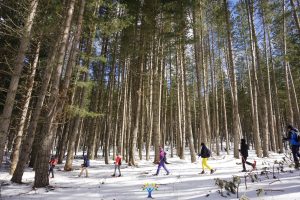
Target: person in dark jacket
294, 144
84, 166
244, 153
205, 154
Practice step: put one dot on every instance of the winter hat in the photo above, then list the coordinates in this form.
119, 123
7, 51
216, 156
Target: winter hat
290, 127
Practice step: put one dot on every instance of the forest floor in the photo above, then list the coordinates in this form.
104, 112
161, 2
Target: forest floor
183, 183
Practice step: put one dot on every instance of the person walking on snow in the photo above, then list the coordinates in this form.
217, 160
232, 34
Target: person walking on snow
205, 154
118, 163
84, 166
293, 136
52, 163
244, 152
162, 157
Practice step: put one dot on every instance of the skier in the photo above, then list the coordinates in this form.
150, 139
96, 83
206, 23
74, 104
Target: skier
205, 154
294, 143
244, 153
162, 157
52, 163
84, 166
118, 163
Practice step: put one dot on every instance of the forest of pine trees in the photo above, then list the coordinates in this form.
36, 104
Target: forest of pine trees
128, 76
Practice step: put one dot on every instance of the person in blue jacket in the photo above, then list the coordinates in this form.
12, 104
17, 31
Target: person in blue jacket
84, 166
292, 137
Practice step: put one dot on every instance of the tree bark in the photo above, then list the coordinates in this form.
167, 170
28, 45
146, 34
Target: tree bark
295, 15
269, 91
5, 117
41, 173
28, 140
156, 108
289, 112
235, 112
18, 139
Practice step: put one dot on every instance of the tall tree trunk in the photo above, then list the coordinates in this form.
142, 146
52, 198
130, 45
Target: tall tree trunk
63, 142
28, 140
18, 139
124, 111
5, 117
295, 15
150, 112
155, 107
72, 61
137, 103
214, 83
188, 118
171, 106
225, 113
275, 95
295, 99
81, 94
41, 173
261, 87
180, 138
109, 131
254, 85
289, 112
204, 70
182, 98
142, 132
235, 111
269, 92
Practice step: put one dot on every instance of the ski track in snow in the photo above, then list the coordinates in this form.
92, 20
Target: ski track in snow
184, 183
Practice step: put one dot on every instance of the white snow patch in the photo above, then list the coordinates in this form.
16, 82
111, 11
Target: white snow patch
184, 183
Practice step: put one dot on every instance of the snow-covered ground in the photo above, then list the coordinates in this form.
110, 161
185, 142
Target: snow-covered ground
184, 182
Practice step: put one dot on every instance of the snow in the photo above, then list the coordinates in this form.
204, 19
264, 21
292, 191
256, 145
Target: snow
184, 183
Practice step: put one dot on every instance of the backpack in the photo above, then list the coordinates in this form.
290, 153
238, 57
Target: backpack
296, 136
87, 163
165, 157
208, 153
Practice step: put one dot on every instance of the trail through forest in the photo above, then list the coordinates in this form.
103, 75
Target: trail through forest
184, 182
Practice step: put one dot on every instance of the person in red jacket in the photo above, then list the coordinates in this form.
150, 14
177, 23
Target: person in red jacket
52, 163
118, 163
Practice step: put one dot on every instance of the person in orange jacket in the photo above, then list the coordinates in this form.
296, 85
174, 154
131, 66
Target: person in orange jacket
118, 163
52, 163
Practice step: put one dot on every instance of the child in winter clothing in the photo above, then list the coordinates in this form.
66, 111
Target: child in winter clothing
244, 152
205, 154
52, 163
294, 143
84, 166
118, 163
162, 157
